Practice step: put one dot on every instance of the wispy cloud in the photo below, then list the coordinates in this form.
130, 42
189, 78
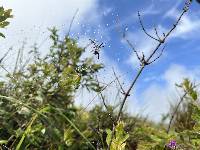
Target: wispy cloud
133, 17
189, 24
173, 10
157, 97
150, 10
112, 94
188, 28
33, 17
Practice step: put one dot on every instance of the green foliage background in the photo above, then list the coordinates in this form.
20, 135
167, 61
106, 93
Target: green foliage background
37, 108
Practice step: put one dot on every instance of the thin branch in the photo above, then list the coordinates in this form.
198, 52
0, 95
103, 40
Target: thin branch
117, 99
123, 102
156, 31
107, 85
128, 92
140, 20
17, 60
131, 45
120, 85
157, 56
175, 111
104, 103
98, 133
177, 107
170, 31
185, 9
22, 54
71, 23
1, 60
141, 59
10, 75
143, 66
25, 64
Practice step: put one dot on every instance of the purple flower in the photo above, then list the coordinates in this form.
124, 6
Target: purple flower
172, 144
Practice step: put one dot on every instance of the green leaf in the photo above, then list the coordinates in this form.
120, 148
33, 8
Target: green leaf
4, 24
186, 84
119, 141
68, 136
1, 11
193, 94
180, 86
28, 129
3, 141
108, 138
2, 35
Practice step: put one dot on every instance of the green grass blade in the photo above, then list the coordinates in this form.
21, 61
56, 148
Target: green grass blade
74, 126
28, 129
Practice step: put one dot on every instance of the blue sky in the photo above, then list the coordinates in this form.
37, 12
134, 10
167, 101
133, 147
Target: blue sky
102, 20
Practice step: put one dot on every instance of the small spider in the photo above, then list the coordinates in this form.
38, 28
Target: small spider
96, 47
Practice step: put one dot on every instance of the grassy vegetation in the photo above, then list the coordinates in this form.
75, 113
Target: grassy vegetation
37, 108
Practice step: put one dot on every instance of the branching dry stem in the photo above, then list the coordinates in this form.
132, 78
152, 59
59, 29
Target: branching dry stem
145, 62
177, 107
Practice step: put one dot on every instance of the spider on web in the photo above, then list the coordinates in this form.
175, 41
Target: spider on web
96, 47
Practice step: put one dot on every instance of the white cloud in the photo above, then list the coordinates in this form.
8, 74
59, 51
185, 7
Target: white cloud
112, 94
173, 11
33, 17
188, 28
150, 10
189, 24
31, 20
156, 101
175, 74
157, 97
105, 76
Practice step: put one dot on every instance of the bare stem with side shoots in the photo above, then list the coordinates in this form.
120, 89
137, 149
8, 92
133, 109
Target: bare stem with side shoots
146, 61
175, 111
185, 93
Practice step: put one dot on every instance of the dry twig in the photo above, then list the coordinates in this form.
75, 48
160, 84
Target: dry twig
120, 85
72, 21
145, 31
106, 86
145, 62
104, 102
177, 107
